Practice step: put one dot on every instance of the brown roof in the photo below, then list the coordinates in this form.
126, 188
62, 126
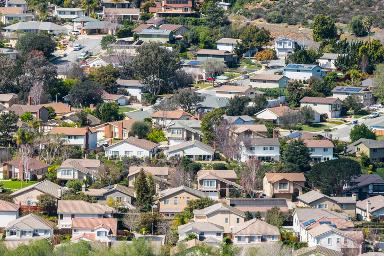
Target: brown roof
251, 127
109, 96
33, 163
154, 170
172, 114
294, 177
224, 174
226, 40
256, 227
95, 223
5, 97
280, 110
141, 27
171, 27
267, 77
232, 88
8, 206
213, 52
82, 207
141, 143
69, 130
11, 10
59, 107
319, 100
20, 109
318, 143
127, 123
121, 11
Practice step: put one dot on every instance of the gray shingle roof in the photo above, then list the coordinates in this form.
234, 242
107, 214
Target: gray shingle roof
171, 191
317, 250
369, 143
197, 227
82, 207
219, 207
265, 142
377, 203
187, 144
256, 227
36, 25
211, 101
30, 222
44, 186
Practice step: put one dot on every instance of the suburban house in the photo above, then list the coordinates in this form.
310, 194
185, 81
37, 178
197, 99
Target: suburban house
220, 214
181, 131
155, 35
28, 196
249, 131
8, 212
29, 227
329, 107
317, 250
120, 99
221, 55
177, 30
230, 91
374, 149
217, 183
121, 14
35, 27
239, 120
364, 186
370, 208
100, 27
159, 174
259, 205
172, 7
133, 87
363, 94
284, 46
263, 149
320, 150
114, 130
37, 111
103, 230
83, 137
17, 3
327, 60
255, 231
8, 99
141, 27
67, 210
68, 13
205, 231
209, 103
31, 168
166, 117
268, 81
274, 114
122, 196
132, 147
227, 44
303, 72
283, 185
315, 199
78, 169
174, 200
115, 4
194, 150
61, 109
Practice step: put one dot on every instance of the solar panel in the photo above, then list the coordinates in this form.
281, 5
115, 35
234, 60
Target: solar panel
194, 62
325, 222
309, 222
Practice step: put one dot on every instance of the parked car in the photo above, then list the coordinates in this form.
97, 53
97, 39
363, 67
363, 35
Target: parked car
77, 47
83, 55
75, 33
374, 115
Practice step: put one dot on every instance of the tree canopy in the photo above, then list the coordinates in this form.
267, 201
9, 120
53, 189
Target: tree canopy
295, 156
36, 42
361, 131
324, 28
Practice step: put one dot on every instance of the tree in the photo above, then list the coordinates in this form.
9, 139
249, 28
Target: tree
213, 67
8, 126
84, 93
267, 54
378, 81
275, 217
156, 135
187, 99
237, 105
108, 112
36, 42
361, 131
140, 129
303, 56
9, 71
324, 28
149, 223
106, 77
307, 114
295, 92
74, 185
253, 37
106, 41
214, 14
209, 123
332, 175
296, 157
144, 192
290, 119
251, 177
352, 103
358, 27
47, 203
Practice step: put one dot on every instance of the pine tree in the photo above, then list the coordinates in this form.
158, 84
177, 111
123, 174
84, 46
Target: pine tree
142, 190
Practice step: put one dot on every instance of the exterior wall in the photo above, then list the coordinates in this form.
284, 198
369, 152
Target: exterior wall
362, 213
226, 47
78, 140
125, 149
227, 220
78, 232
120, 197
332, 111
254, 239
175, 204
284, 46
267, 115
263, 153
29, 234
193, 152
6, 217
159, 39
136, 92
28, 197
282, 83
321, 154
327, 63
202, 235
272, 190
63, 13
303, 75
66, 220
332, 241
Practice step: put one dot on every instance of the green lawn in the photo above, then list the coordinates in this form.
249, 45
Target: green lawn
317, 127
232, 75
15, 184
203, 85
247, 63
380, 171
125, 109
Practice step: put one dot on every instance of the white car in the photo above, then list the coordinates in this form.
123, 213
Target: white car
75, 33
374, 115
83, 55
77, 47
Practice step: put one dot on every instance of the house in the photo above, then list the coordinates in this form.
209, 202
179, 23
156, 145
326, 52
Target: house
68, 13
268, 81
327, 60
363, 94
28, 196
159, 174
329, 107
103, 230
36, 27
115, 4
227, 44
172, 8
315, 199
114, 130
283, 185
60, 108
32, 168
156, 21
79, 23
195, 69
259, 205
224, 56
67, 210
274, 114
284, 46
263, 149
133, 87
370, 208
132, 147
220, 214
155, 35
217, 183
83, 137
174, 200
195, 150
317, 250
255, 231
177, 30
37, 111
10, 15
120, 195
78, 169
320, 150
249, 131
8, 212
303, 72
230, 91
364, 186
166, 117
73, 118
120, 99
183, 130
29, 227
121, 14
141, 27
211, 102
100, 27
374, 149
239, 120
205, 231
17, 3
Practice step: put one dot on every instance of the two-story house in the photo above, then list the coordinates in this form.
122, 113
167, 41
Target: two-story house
121, 14
172, 7
329, 107
183, 130
67, 210
78, 169
132, 147
134, 87
263, 149
27, 168
159, 174
120, 195
283, 185
268, 81
370, 208
29, 227
8, 212
114, 130
374, 149
165, 118
217, 183
284, 46
115, 4
364, 186
226, 57
320, 150
174, 200
303, 72
102, 230
68, 13
227, 44
250, 131
83, 137
363, 94
17, 3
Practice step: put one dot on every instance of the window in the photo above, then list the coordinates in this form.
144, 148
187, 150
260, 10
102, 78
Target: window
252, 239
271, 148
283, 185
139, 153
265, 148
237, 220
312, 149
329, 241
61, 216
72, 216
345, 240
128, 153
240, 238
252, 148
325, 149
338, 240
12, 232
101, 233
322, 206
175, 201
226, 220
118, 199
166, 201
218, 234
209, 183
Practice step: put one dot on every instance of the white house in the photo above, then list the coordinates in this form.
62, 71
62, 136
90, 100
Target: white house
268, 81
29, 227
68, 13
303, 72
364, 95
203, 230
133, 87
119, 99
17, 3
263, 149
132, 147
8, 212
370, 207
183, 130
327, 61
36, 27
227, 44
67, 210
77, 136
78, 169
284, 46
320, 150
94, 229
195, 150
331, 107
274, 114
255, 231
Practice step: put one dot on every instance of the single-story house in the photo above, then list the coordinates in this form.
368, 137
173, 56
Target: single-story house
268, 81
259, 205
372, 207
363, 94
195, 150
28, 196
78, 169
77, 136
133, 87
8, 212
204, 230
120, 99
225, 56
155, 35
122, 196
255, 231
36, 27
132, 147
303, 72
230, 91
29, 227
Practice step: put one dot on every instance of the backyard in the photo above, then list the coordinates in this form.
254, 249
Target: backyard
16, 184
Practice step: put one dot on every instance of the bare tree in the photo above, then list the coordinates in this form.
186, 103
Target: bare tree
251, 177
225, 143
179, 177
131, 220
50, 147
290, 119
213, 67
36, 92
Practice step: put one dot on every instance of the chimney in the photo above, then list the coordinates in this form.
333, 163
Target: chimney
368, 211
59, 192
29, 100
